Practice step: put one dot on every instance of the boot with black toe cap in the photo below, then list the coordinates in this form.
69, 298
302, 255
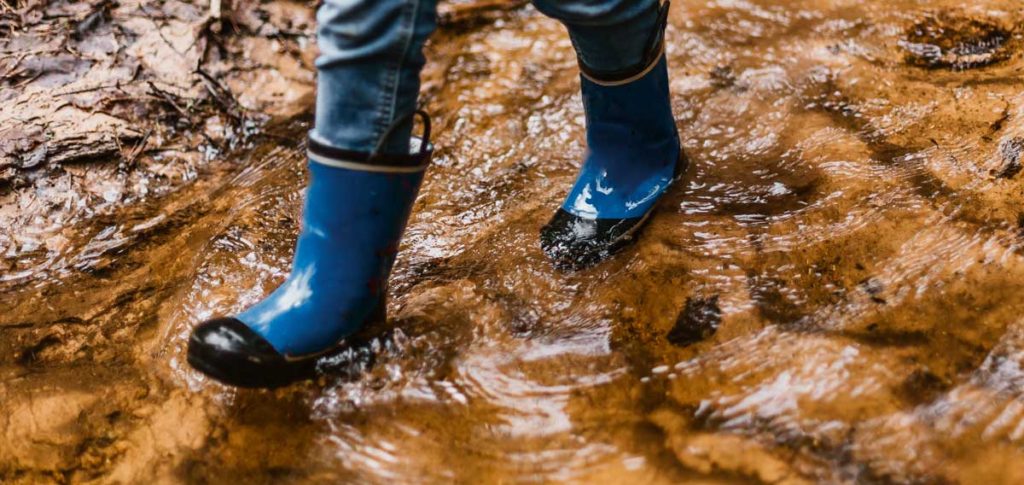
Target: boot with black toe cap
634, 156
356, 209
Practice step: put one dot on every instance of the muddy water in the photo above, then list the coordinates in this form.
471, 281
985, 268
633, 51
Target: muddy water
831, 295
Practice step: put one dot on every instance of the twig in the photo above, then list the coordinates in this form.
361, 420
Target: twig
28, 81
30, 53
137, 150
17, 62
169, 98
218, 91
116, 85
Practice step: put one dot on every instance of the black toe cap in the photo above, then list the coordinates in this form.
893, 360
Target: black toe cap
574, 243
229, 351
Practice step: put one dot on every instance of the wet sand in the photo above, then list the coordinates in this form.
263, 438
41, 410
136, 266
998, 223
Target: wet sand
831, 295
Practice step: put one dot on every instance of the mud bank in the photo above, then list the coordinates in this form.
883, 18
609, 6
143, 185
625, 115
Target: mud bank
831, 296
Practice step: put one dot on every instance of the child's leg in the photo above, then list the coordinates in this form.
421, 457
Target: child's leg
634, 152
357, 202
609, 35
371, 55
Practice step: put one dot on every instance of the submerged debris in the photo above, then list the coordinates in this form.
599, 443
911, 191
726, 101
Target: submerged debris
923, 386
954, 42
468, 14
1010, 151
698, 321
874, 288
722, 77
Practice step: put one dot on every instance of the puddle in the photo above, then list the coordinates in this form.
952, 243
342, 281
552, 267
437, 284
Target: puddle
829, 296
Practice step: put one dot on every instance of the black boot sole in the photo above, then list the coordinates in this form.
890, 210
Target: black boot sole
253, 378
623, 233
230, 352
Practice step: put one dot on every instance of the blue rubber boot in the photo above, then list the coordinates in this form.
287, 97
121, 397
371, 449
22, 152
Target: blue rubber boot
634, 156
356, 209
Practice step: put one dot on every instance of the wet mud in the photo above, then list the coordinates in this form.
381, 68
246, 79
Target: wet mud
831, 295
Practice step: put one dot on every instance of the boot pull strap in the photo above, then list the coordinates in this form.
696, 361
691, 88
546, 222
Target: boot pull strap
657, 36
656, 39
424, 140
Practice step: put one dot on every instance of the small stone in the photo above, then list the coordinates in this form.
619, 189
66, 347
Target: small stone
923, 386
723, 77
1011, 152
699, 320
874, 288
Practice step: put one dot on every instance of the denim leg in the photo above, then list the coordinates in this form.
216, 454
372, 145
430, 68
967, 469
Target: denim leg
609, 35
371, 55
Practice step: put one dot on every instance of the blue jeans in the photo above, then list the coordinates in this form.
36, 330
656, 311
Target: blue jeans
372, 55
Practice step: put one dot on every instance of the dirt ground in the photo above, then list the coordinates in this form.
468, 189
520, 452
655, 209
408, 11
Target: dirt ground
831, 296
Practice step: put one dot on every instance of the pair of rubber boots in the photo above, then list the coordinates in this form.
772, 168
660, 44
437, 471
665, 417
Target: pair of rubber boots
357, 206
